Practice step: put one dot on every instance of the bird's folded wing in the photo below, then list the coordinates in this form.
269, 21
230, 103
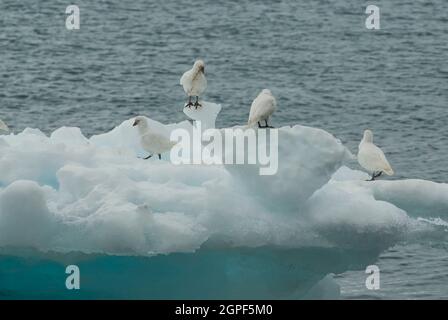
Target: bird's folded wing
261, 107
186, 80
152, 137
378, 159
3, 126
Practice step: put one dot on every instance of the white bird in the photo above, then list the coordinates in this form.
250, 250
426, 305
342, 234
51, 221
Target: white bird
3, 126
194, 82
150, 140
372, 158
262, 108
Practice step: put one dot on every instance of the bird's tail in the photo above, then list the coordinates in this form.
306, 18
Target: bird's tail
3, 126
388, 171
250, 124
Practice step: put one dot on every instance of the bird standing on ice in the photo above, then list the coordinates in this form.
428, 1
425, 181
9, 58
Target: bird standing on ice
3, 126
262, 108
194, 82
372, 158
151, 141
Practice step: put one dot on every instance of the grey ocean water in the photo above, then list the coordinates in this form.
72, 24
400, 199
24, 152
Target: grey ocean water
325, 68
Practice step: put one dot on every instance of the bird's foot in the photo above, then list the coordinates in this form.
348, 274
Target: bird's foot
378, 174
265, 126
189, 105
147, 157
197, 105
375, 175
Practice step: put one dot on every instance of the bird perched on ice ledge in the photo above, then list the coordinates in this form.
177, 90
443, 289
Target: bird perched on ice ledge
3, 126
150, 140
194, 83
262, 108
206, 115
372, 158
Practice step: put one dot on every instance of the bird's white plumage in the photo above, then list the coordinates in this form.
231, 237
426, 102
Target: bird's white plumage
3, 126
372, 158
193, 81
152, 141
262, 107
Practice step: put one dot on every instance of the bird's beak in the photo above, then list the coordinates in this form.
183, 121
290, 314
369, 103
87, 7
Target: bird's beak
135, 123
202, 70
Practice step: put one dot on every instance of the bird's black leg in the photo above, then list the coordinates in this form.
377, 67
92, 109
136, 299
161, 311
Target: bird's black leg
189, 104
160, 156
375, 175
267, 126
260, 126
197, 104
148, 157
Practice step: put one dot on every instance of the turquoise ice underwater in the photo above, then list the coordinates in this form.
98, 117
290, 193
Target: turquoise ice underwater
325, 75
